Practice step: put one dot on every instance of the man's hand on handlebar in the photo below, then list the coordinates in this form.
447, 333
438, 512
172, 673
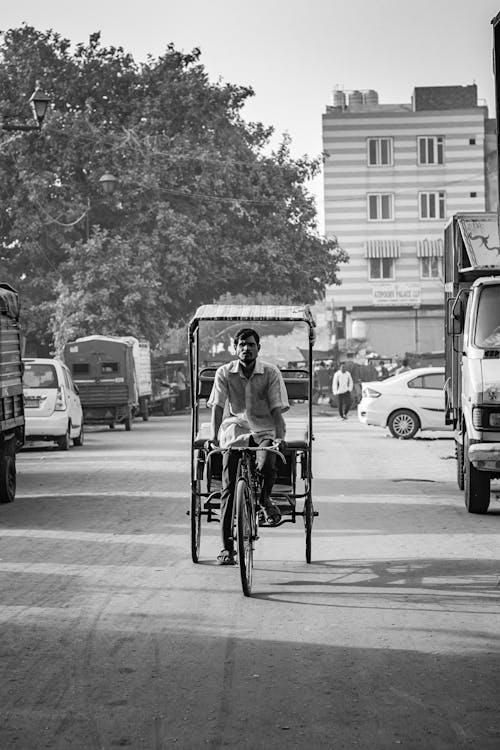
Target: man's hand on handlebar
211, 445
279, 444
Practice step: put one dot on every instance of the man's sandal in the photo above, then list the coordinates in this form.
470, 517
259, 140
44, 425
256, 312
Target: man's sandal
270, 514
225, 557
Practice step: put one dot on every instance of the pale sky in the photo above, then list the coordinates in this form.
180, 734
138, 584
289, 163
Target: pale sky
294, 52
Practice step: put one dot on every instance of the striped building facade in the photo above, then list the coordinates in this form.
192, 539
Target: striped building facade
393, 174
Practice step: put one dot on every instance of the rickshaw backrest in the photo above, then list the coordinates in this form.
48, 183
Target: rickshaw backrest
296, 382
206, 381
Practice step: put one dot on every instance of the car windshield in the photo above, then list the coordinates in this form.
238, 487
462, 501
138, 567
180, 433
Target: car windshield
487, 333
39, 376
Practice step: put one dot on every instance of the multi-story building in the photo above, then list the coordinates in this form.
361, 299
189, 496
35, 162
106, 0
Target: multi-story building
393, 174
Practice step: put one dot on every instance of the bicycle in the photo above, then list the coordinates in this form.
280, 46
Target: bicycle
247, 508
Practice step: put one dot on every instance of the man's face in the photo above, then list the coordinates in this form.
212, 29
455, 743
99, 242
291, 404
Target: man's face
247, 350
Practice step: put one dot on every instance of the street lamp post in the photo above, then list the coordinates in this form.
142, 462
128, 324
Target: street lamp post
39, 103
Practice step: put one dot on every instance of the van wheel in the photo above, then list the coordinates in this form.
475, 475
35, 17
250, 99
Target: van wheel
7, 479
65, 441
403, 424
78, 440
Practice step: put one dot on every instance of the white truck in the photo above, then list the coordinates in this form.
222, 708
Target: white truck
472, 351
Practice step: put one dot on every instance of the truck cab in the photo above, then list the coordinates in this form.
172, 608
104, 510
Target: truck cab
472, 351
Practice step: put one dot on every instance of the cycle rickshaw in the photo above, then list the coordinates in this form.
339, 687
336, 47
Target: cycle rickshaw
292, 490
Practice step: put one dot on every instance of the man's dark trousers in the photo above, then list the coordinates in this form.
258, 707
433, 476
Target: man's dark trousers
266, 463
344, 400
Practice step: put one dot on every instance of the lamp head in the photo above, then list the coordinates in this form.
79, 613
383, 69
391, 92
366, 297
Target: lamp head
108, 182
39, 103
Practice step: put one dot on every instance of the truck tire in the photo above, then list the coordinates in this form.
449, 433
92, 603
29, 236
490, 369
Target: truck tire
144, 408
7, 478
476, 485
459, 453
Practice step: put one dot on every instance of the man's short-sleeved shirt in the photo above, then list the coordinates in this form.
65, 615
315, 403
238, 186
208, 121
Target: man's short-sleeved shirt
250, 400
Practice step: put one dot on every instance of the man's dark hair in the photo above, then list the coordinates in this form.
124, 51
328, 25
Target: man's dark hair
245, 333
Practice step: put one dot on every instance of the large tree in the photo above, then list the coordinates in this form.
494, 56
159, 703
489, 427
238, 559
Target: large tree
203, 207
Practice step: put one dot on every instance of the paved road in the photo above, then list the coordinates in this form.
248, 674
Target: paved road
111, 637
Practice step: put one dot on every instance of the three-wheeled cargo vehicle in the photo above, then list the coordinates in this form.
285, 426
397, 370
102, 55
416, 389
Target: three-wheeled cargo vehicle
11, 391
103, 369
292, 491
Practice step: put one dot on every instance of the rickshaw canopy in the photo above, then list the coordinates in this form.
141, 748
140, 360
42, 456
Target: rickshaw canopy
288, 313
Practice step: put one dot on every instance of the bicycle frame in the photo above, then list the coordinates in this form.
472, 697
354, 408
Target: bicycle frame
245, 507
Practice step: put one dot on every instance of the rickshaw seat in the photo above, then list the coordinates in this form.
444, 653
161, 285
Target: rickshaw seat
296, 437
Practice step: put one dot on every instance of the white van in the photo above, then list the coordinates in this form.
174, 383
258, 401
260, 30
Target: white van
52, 407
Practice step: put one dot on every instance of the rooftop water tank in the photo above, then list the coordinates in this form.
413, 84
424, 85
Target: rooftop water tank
338, 98
371, 98
355, 99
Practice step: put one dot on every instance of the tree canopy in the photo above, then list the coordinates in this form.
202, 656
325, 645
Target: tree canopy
203, 206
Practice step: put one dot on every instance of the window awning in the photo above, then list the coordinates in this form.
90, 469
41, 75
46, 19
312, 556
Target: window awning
382, 249
430, 248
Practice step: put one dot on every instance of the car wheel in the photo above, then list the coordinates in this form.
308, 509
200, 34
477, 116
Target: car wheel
78, 440
64, 442
403, 424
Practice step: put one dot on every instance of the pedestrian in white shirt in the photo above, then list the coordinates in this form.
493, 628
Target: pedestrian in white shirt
342, 386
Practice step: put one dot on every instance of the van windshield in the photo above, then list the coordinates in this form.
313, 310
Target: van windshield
487, 334
39, 376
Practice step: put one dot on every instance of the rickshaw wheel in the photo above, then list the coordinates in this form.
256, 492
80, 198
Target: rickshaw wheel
308, 523
245, 534
195, 523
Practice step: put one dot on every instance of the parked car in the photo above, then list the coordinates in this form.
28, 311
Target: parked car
405, 403
51, 403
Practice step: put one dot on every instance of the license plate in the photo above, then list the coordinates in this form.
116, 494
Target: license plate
31, 403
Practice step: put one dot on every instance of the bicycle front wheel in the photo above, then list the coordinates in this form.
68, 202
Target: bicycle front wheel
244, 520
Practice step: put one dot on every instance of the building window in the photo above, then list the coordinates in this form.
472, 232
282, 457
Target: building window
380, 207
432, 205
379, 152
472, 141
381, 268
431, 150
430, 268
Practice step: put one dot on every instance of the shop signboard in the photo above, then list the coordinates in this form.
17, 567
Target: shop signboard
400, 295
